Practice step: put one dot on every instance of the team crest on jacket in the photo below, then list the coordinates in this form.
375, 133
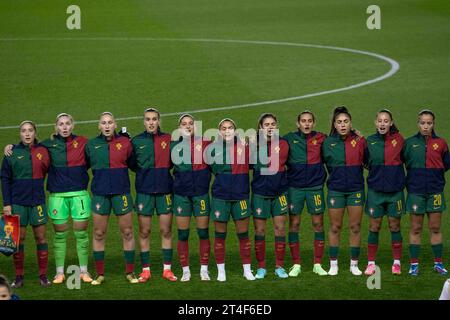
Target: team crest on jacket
118, 146
39, 156
217, 214
314, 141
394, 143
75, 144
55, 211
435, 146
163, 144
353, 143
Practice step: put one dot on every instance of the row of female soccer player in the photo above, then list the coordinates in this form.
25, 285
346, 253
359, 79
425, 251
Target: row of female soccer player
298, 179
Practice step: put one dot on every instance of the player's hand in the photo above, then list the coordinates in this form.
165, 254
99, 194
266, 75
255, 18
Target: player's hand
7, 210
124, 133
8, 150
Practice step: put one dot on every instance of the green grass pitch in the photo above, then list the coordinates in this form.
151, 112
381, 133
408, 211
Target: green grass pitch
116, 69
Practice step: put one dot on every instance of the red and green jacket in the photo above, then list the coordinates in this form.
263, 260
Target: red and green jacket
191, 174
151, 158
384, 161
231, 177
68, 169
344, 158
305, 165
426, 160
109, 162
23, 175
276, 183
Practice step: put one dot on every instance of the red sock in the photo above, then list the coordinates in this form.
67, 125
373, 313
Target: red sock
19, 258
397, 250
205, 249
244, 250
319, 246
260, 251
100, 267
219, 250
372, 249
183, 253
280, 249
129, 267
42, 257
295, 252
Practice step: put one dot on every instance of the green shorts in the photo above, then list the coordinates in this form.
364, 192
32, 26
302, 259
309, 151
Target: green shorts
147, 203
339, 200
222, 209
381, 203
314, 200
186, 206
265, 207
425, 203
34, 216
76, 204
120, 203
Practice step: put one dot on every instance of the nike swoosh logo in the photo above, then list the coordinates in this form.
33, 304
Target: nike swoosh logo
243, 213
415, 145
333, 144
20, 157
55, 145
317, 209
40, 220
372, 143
357, 201
296, 141
96, 147
141, 147
124, 209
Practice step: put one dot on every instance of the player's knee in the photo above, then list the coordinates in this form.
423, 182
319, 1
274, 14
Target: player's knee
165, 232
99, 234
317, 226
127, 234
435, 229
335, 228
355, 228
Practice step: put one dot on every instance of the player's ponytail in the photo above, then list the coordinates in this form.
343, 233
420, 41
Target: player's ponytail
393, 129
336, 112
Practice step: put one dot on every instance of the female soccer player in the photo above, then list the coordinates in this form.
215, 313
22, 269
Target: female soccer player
385, 181
306, 174
426, 159
343, 153
23, 192
109, 155
67, 183
269, 196
151, 152
191, 194
229, 161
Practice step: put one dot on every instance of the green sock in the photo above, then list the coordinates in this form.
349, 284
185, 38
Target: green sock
82, 246
59, 245
319, 236
437, 250
167, 256
354, 252
414, 251
293, 237
373, 237
145, 259
333, 252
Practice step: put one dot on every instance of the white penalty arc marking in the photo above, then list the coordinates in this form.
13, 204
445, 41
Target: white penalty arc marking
395, 66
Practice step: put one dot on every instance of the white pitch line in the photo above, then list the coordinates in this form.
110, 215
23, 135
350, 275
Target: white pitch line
395, 66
